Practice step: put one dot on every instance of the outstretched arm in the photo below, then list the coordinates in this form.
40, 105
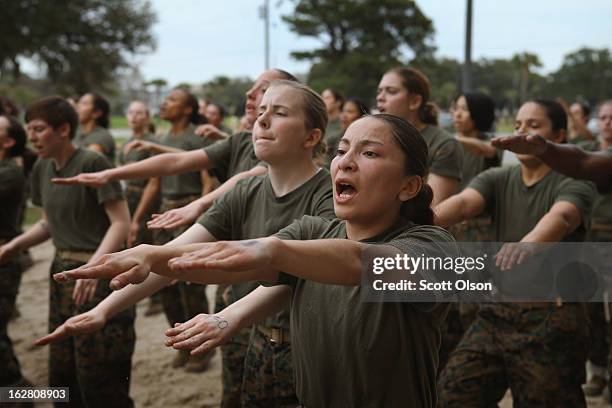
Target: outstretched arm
566, 159
467, 204
161, 165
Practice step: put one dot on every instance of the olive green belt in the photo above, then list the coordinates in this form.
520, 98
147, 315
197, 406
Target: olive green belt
75, 256
274, 334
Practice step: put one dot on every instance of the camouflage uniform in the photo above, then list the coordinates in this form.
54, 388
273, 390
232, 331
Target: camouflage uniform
96, 366
10, 277
538, 351
461, 315
257, 388
181, 301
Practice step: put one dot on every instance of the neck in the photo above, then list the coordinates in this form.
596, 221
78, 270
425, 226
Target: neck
63, 155
138, 133
289, 175
472, 133
179, 126
605, 143
533, 174
414, 120
88, 127
357, 231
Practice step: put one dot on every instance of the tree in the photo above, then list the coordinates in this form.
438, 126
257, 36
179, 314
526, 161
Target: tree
524, 62
80, 43
229, 92
584, 74
158, 88
360, 40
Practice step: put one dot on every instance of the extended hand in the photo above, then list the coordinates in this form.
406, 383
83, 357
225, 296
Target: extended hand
96, 179
200, 334
521, 144
80, 324
177, 217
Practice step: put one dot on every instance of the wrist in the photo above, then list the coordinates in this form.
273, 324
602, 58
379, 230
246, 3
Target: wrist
275, 248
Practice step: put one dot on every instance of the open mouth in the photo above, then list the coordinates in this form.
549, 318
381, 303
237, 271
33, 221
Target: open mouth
345, 191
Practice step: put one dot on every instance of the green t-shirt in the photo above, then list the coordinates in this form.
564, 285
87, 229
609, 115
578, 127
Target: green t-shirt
473, 165
602, 206
252, 210
184, 184
232, 156
136, 155
333, 134
12, 194
350, 353
75, 214
445, 153
100, 136
516, 208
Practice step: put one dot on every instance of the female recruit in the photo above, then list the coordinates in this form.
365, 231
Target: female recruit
83, 223
12, 196
334, 101
507, 345
287, 136
346, 352
94, 111
404, 92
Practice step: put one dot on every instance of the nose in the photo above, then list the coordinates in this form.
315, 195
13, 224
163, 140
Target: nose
346, 162
249, 93
263, 120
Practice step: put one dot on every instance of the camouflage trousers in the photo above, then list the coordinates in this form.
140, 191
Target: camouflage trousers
538, 352
10, 277
183, 300
96, 366
461, 315
268, 374
233, 354
133, 196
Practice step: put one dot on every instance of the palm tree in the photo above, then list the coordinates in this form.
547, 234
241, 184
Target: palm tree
524, 61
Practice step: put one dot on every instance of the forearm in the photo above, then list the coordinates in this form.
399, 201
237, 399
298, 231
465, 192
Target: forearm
114, 238
37, 234
442, 187
476, 146
208, 200
257, 305
575, 162
161, 165
157, 148
449, 212
333, 261
550, 228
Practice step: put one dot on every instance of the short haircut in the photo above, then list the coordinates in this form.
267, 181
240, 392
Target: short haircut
54, 110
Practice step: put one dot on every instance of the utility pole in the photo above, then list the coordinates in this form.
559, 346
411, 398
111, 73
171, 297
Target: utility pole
467, 63
264, 13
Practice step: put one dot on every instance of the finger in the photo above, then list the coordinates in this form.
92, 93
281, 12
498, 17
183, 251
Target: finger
66, 180
91, 291
499, 256
77, 293
522, 257
105, 271
180, 327
58, 334
191, 342
135, 275
204, 347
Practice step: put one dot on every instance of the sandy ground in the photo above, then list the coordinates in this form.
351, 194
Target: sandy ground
154, 382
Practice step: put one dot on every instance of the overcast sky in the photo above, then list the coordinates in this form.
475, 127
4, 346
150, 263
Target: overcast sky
200, 39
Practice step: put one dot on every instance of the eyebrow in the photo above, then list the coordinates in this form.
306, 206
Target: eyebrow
276, 107
363, 142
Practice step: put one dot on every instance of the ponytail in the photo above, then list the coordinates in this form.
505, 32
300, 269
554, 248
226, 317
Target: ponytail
418, 209
428, 113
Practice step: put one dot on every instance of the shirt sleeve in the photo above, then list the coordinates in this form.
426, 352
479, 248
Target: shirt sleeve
484, 183
448, 160
218, 219
110, 191
219, 155
580, 193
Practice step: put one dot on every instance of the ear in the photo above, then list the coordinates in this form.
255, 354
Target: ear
64, 130
415, 102
314, 137
410, 188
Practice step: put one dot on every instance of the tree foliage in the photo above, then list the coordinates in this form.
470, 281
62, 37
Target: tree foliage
80, 43
360, 40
